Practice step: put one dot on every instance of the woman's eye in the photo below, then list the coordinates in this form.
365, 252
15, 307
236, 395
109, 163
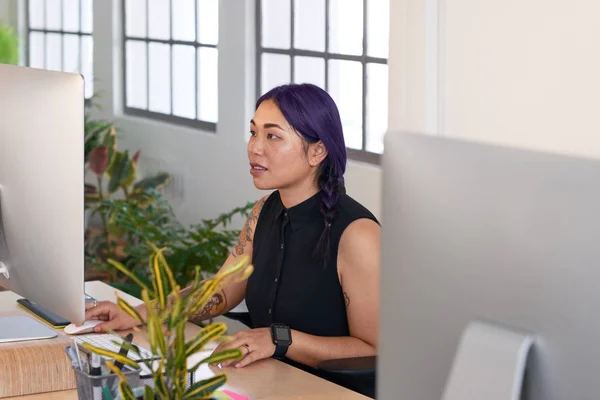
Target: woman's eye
271, 136
252, 133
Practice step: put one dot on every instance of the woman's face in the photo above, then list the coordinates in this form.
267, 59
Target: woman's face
277, 155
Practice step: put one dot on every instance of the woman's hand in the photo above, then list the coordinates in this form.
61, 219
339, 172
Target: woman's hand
116, 319
255, 344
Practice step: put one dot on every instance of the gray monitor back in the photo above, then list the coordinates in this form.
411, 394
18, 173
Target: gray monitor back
474, 231
42, 187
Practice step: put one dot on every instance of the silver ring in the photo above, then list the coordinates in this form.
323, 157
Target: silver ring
247, 347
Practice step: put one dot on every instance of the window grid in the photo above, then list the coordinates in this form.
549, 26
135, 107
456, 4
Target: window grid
62, 32
364, 59
195, 123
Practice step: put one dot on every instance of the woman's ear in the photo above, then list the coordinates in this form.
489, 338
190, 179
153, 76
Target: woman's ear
316, 153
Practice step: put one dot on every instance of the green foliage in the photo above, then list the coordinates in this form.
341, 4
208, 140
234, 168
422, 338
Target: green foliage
168, 312
9, 45
150, 219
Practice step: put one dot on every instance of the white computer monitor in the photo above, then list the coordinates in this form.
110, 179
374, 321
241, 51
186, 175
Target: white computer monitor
42, 188
481, 232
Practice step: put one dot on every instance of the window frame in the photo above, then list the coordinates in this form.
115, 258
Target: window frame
361, 155
196, 123
62, 33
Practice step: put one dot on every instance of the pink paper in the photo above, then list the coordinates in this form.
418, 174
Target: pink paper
234, 396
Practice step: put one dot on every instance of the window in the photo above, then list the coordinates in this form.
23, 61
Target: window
170, 69
339, 45
59, 35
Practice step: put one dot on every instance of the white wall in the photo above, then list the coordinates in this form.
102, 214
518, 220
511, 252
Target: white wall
210, 170
521, 73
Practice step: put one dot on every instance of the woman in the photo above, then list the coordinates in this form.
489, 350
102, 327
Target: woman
314, 249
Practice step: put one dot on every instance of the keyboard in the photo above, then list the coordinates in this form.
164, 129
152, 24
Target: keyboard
105, 341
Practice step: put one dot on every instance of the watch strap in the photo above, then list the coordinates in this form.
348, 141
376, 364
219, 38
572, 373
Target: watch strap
280, 350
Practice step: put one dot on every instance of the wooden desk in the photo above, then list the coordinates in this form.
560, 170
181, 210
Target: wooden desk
266, 379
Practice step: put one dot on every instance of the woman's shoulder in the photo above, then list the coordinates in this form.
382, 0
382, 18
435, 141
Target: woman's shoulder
266, 204
350, 210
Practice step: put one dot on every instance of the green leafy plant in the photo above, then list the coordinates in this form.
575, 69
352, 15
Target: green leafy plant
168, 313
116, 178
9, 45
153, 221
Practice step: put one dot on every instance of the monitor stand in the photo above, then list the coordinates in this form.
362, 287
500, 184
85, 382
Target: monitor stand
489, 363
21, 328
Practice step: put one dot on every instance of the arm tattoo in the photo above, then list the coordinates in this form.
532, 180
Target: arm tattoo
248, 229
215, 306
346, 299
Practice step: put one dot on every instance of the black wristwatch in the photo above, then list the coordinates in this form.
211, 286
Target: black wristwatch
282, 338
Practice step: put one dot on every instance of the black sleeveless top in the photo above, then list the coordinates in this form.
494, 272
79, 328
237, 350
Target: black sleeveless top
287, 286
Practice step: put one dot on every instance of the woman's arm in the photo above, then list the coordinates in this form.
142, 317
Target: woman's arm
230, 296
358, 267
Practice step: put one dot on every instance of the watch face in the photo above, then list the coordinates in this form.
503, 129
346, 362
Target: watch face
282, 334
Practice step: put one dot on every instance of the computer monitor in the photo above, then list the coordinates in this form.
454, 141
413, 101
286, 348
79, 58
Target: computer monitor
482, 232
42, 188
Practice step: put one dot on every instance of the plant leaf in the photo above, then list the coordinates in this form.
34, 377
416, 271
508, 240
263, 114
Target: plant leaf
148, 393
127, 272
98, 160
159, 382
125, 391
160, 289
130, 310
119, 172
205, 387
153, 182
217, 358
110, 354
206, 335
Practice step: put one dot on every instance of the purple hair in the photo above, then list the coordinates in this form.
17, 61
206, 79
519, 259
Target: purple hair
313, 114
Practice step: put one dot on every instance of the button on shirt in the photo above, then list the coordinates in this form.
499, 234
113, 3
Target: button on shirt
287, 285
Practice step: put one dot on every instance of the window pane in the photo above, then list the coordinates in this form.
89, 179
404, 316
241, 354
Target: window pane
276, 21
377, 106
136, 64
208, 94
53, 51
309, 25
159, 24
276, 70
345, 86
346, 26
36, 50
309, 70
70, 15
208, 21
87, 64
378, 28
53, 15
159, 63
184, 81
87, 22
184, 27
71, 53
135, 18
36, 14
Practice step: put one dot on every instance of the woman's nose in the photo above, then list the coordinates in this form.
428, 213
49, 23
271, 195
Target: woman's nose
255, 145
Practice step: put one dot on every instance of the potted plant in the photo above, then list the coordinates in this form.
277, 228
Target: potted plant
115, 175
168, 314
9, 45
206, 244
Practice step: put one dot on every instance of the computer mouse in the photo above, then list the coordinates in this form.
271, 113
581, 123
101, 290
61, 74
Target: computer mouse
86, 327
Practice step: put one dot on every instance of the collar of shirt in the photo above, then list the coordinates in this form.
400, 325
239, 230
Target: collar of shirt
302, 213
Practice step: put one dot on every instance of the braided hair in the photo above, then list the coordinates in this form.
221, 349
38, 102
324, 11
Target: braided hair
313, 114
